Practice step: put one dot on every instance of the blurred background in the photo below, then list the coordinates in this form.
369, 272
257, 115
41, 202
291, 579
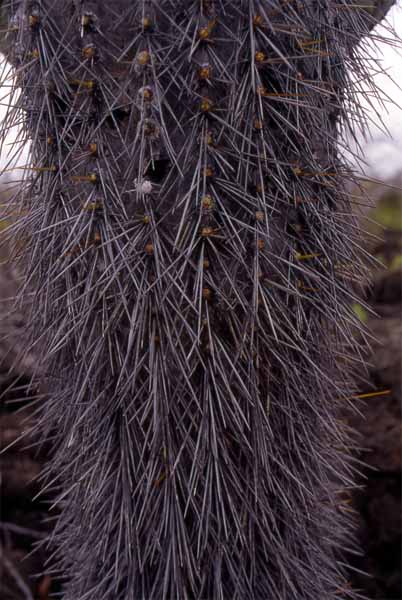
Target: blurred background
377, 504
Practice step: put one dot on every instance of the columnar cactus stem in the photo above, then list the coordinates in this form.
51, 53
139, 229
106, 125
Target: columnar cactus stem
191, 246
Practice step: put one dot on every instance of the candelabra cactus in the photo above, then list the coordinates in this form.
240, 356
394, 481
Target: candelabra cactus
188, 245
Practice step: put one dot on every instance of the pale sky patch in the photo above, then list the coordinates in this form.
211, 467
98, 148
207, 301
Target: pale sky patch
383, 152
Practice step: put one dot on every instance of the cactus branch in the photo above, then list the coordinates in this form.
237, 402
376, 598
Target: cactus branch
191, 253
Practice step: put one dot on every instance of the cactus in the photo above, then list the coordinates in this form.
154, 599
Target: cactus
192, 258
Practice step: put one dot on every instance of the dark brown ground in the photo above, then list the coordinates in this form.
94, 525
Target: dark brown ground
379, 502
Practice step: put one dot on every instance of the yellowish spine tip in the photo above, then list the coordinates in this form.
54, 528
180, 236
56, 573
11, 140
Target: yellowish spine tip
204, 33
205, 72
207, 231
89, 84
89, 51
206, 105
91, 206
51, 169
147, 94
207, 294
258, 21
209, 138
260, 57
207, 202
146, 23
143, 58
33, 20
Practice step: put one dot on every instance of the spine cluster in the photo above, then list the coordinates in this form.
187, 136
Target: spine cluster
193, 257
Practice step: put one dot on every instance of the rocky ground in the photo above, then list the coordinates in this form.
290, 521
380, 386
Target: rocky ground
378, 503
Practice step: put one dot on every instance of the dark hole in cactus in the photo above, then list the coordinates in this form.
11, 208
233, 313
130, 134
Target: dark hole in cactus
157, 169
117, 116
60, 109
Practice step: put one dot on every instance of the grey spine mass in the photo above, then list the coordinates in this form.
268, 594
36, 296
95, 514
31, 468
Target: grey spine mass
194, 255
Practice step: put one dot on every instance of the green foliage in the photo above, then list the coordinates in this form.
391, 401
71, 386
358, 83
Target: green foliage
396, 262
388, 212
361, 312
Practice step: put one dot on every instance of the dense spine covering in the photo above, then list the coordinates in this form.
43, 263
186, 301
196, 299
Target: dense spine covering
190, 246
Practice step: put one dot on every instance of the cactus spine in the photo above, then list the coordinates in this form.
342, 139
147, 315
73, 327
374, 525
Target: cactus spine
190, 245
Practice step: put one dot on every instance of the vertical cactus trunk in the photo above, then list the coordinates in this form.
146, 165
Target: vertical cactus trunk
191, 246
